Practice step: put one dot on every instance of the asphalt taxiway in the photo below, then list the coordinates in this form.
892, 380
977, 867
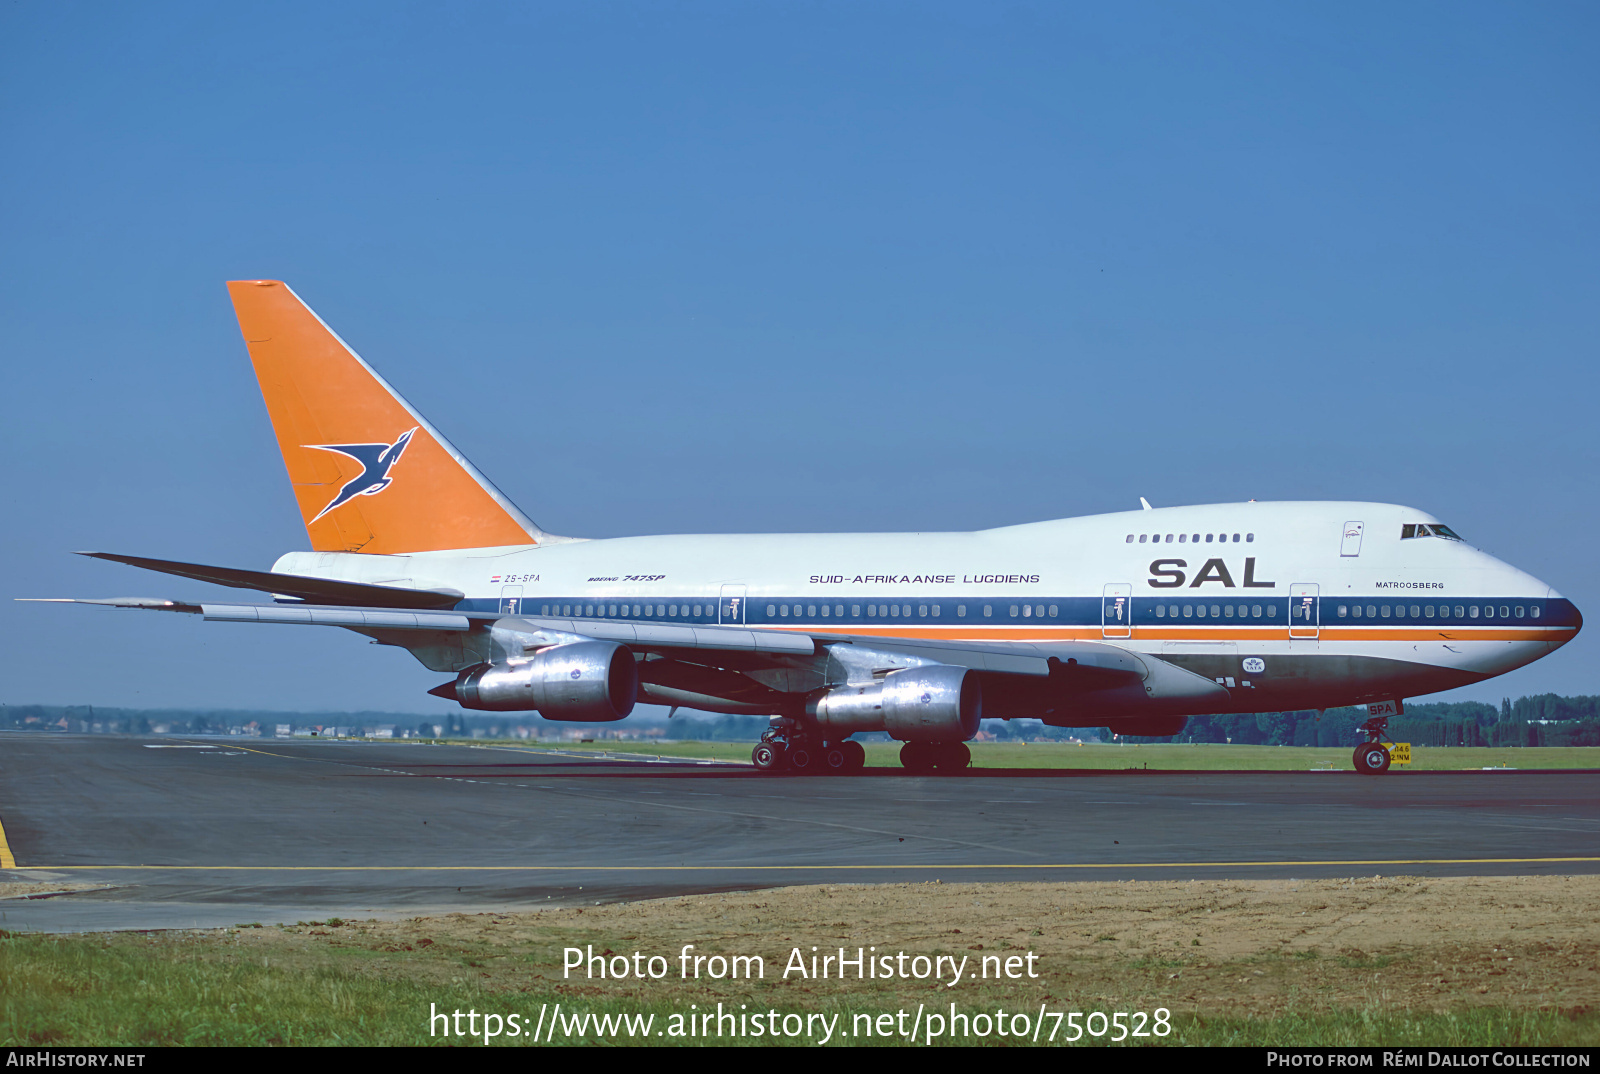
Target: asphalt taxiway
197, 832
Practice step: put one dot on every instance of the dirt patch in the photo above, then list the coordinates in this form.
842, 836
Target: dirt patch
33, 889
1215, 948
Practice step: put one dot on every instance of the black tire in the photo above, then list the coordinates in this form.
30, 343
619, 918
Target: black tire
1371, 759
917, 757
802, 759
767, 756
855, 756
834, 759
953, 756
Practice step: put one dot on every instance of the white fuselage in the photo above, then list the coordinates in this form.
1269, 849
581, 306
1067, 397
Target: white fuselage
1286, 604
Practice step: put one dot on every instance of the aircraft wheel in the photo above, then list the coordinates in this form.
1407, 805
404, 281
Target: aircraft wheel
802, 759
1372, 759
917, 756
834, 759
954, 756
767, 756
855, 756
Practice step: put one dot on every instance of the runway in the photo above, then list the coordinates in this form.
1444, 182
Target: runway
199, 832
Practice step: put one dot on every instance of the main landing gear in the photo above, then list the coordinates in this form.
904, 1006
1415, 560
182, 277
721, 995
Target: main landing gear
793, 749
1372, 757
804, 755
923, 757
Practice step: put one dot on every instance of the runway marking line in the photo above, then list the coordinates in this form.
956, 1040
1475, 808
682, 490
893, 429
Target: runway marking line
6, 860
803, 868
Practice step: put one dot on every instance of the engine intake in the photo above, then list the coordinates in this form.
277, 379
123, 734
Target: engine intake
937, 703
584, 681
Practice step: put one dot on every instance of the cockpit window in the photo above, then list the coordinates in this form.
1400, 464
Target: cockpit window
1427, 529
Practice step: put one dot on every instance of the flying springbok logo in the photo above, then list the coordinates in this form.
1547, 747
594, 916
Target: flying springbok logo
376, 461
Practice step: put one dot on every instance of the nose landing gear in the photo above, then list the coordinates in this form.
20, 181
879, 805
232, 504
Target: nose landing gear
1372, 757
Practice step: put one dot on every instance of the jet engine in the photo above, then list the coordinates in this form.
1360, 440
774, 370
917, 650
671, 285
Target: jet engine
583, 681
934, 703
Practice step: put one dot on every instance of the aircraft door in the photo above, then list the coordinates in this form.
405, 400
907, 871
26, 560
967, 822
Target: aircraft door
730, 609
1116, 611
1350, 543
1303, 617
510, 600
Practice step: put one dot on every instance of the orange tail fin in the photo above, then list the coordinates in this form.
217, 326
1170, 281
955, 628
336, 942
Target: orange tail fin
369, 473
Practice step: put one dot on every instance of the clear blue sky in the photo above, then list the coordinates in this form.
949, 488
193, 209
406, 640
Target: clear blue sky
786, 266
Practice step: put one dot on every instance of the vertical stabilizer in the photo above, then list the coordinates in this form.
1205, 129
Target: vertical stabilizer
370, 474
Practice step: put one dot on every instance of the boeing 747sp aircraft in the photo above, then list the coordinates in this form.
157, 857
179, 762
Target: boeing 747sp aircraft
1132, 621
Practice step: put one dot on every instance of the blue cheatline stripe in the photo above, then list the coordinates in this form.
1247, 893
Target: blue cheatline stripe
1185, 608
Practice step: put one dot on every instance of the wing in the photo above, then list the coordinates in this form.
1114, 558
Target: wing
740, 670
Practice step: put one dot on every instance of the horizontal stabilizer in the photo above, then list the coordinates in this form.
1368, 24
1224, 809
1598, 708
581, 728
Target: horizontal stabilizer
314, 590
152, 604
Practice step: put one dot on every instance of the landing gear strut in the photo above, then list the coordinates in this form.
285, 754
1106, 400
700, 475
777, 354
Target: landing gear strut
1372, 757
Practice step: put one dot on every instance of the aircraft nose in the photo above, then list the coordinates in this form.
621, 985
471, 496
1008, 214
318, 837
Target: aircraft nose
1567, 615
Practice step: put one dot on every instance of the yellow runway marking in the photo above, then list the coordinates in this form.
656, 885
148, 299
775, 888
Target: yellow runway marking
803, 868
6, 860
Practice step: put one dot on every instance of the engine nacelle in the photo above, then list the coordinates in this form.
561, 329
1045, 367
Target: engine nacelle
936, 703
583, 681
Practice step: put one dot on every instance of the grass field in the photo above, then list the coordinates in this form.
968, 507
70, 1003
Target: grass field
1169, 756
1232, 963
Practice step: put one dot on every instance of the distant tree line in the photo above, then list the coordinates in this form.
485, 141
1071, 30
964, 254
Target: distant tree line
1540, 720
